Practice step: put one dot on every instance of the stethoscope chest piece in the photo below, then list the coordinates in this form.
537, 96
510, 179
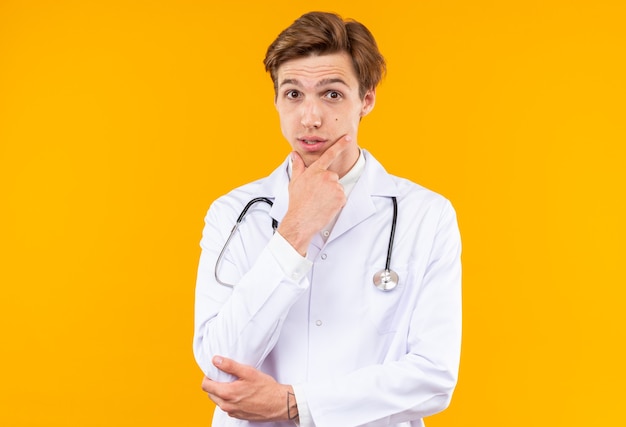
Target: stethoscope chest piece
386, 280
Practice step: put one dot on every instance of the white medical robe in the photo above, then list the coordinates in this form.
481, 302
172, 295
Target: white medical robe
358, 356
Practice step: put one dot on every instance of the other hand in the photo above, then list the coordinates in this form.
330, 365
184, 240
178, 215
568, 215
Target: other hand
254, 396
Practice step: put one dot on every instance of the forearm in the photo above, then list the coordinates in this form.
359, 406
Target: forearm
246, 325
396, 392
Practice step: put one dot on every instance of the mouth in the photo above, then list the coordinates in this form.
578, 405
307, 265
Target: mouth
311, 140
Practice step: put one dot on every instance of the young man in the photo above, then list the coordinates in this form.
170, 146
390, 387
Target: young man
308, 323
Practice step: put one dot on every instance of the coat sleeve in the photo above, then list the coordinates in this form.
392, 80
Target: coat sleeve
242, 322
419, 382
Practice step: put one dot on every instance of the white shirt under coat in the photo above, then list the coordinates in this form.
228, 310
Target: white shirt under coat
356, 356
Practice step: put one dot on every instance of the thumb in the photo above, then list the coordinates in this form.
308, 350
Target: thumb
297, 165
229, 366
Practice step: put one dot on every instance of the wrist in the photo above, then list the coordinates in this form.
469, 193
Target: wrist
295, 235
292, 405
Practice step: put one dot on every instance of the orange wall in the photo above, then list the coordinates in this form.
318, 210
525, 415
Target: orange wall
120, 121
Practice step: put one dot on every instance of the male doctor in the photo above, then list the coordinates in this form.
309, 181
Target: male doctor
290, 328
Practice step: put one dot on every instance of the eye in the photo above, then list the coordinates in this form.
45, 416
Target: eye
333, 95
292, 94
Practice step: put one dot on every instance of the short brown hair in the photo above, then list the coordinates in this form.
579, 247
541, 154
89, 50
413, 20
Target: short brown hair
320, 33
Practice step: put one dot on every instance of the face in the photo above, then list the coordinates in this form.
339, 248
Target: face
318, 103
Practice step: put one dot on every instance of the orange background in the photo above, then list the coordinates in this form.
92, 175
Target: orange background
120, 121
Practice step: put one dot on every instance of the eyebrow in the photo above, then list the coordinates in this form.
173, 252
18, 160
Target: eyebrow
323, 82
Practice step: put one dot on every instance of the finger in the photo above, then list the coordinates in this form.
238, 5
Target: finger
297, 165
217, 392
229, 366
208, 385
333, 152
216, 399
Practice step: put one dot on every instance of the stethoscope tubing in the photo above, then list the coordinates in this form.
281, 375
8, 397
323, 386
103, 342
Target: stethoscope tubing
240, 218
392, 234
384, 280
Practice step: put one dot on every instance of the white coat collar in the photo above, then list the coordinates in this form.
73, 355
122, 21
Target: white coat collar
374, 182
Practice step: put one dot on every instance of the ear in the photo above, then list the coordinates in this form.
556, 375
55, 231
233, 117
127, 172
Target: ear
368, 102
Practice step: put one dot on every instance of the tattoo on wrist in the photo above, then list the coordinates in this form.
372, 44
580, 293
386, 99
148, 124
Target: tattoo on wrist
292, 407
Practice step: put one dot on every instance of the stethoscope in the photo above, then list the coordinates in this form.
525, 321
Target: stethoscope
385, 279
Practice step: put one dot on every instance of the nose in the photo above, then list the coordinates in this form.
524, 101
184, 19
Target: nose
311, 115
